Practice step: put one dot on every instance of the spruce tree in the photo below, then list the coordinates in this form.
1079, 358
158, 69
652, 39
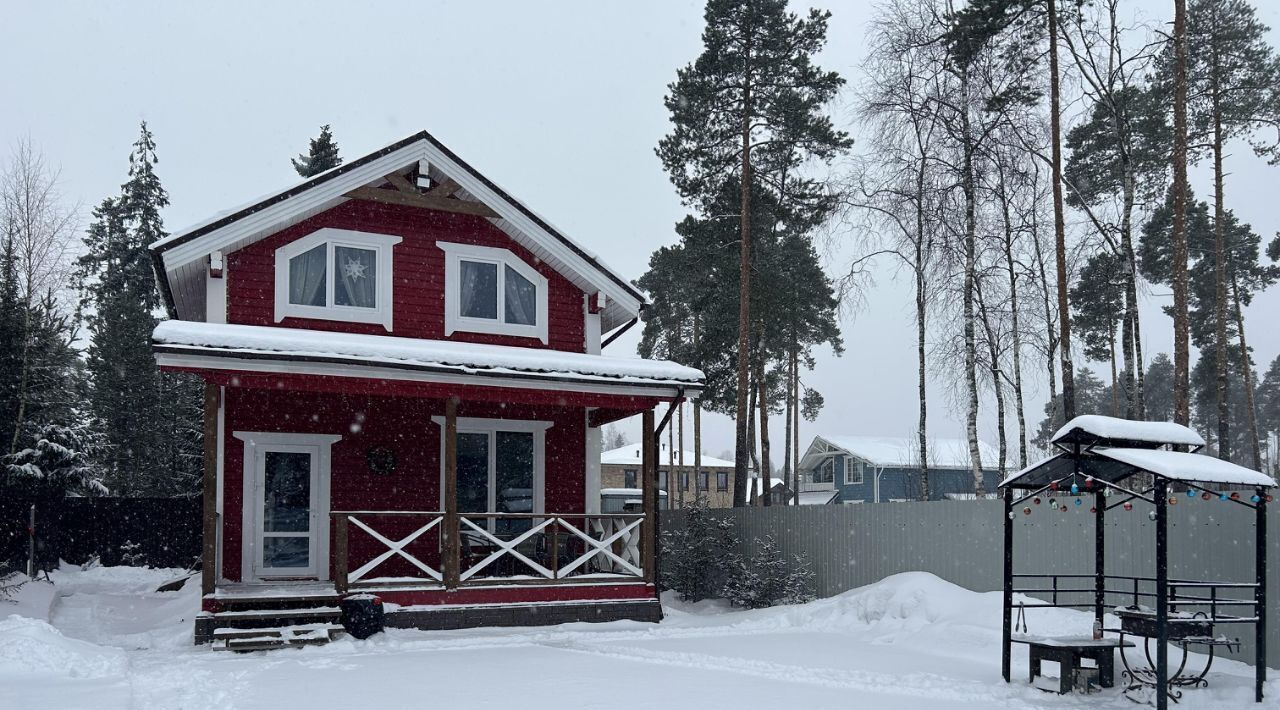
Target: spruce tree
322, 156
751, 109
145, 416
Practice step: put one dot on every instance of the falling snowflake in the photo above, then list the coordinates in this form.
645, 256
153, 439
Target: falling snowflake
353, 269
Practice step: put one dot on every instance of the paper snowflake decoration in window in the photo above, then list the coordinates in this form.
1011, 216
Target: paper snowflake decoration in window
353, 269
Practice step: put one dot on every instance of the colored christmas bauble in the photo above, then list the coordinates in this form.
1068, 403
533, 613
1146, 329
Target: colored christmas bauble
1222, 497
1064, 508
1173, 500
1012, 515
1075, 489
1053, 503
1191, 493
1079, 501
1036, 501
1053, 485
1128, 506
1152, 515
1235, 495
1026, 511
1205, 495
1255, 499
1093, 510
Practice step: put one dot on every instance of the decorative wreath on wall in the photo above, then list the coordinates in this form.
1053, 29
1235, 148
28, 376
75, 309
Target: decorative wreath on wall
381, 460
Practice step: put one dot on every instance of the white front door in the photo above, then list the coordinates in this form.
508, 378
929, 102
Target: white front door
286, 508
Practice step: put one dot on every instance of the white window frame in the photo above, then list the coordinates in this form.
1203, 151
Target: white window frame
454, 321
381, 244
850, 465
819, 474
480, 425
256, 445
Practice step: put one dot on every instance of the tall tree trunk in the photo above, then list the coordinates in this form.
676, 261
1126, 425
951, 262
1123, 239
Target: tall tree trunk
970, 257
787, 470
1129, 329
996, 381
697, 405
922, 421
1115, 375
766, 466
1181, 321
751, 424
1015, 325
795, 432
1246, 367
1059, 221
1219, 274
742, 453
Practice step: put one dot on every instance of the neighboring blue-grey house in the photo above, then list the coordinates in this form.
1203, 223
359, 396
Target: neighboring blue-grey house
872, 469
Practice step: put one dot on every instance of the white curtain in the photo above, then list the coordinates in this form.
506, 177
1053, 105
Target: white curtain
306, 277
357, 277
521, 299
478, 290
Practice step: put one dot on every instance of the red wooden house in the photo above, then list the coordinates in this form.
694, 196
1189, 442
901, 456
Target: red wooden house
404, 394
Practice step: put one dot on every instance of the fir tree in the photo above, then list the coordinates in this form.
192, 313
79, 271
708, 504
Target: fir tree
1159, 381
322, 156
1099, 298
62, 459
768, 578
145, 416
698, 557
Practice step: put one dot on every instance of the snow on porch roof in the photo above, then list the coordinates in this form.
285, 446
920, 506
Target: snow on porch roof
174, 337
1095, 429
1112, 464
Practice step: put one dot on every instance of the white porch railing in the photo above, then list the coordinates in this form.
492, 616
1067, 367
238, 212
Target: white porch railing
492, 547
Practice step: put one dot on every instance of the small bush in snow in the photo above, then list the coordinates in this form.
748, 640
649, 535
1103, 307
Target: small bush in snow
769, 578
698, 557
131, 554
10, 582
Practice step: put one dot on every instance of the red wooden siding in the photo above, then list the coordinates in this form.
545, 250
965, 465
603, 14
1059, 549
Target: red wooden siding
404, 425
418, 290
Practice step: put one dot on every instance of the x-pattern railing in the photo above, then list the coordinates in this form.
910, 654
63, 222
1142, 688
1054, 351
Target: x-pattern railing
394, 548
553, 547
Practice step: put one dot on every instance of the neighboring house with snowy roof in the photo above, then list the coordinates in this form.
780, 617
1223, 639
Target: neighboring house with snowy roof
620, 468
877, 469
404, 391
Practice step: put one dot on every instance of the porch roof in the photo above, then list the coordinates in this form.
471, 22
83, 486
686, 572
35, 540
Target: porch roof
187, 344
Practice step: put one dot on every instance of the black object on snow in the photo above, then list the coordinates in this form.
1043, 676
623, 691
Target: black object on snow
362, 615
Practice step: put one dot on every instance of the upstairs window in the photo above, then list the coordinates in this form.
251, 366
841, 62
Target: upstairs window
336, 274
489, 290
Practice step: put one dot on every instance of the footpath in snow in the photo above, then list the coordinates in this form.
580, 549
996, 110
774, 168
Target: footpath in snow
103, 639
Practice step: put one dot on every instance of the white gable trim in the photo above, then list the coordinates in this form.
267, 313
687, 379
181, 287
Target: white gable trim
591, 277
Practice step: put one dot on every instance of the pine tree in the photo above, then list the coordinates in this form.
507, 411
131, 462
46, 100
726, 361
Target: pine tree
1159, 380
698, 557
751, 109
1099, 298
767, 578
1233, 90
322, 156
145, 416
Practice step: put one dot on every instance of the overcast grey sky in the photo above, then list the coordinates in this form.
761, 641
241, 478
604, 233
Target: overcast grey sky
559, 102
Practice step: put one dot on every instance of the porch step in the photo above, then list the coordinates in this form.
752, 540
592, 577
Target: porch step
261, 639
239, 616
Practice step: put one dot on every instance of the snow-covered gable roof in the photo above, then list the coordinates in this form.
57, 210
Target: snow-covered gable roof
181, 259
1114, 463
629, 455
240, 344
1096, 429
903, 452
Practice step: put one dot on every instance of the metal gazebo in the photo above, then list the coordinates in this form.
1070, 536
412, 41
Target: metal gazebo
1115, 462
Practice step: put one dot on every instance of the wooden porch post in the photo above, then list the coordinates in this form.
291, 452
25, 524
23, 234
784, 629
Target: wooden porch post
452, 539
649, 484
209, 490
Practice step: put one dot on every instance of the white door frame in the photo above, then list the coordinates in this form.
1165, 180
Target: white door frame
256, 444
480, 425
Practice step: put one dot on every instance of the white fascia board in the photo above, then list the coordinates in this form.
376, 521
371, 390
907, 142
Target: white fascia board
515, 216
586, 386
315, 199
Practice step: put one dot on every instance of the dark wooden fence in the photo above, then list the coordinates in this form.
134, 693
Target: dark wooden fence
159, 532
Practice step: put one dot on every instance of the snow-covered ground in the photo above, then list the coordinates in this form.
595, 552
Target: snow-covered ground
103, 639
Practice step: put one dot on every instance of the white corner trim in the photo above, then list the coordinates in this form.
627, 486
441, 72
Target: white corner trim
454, 254
256, 442
380, 243
482, 425
215, 290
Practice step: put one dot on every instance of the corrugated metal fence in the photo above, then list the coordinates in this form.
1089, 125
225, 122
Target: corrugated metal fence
850, 546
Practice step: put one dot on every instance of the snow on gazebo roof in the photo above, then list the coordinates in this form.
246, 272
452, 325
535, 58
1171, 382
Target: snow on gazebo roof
356, 351
1112, 464
1096, 429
